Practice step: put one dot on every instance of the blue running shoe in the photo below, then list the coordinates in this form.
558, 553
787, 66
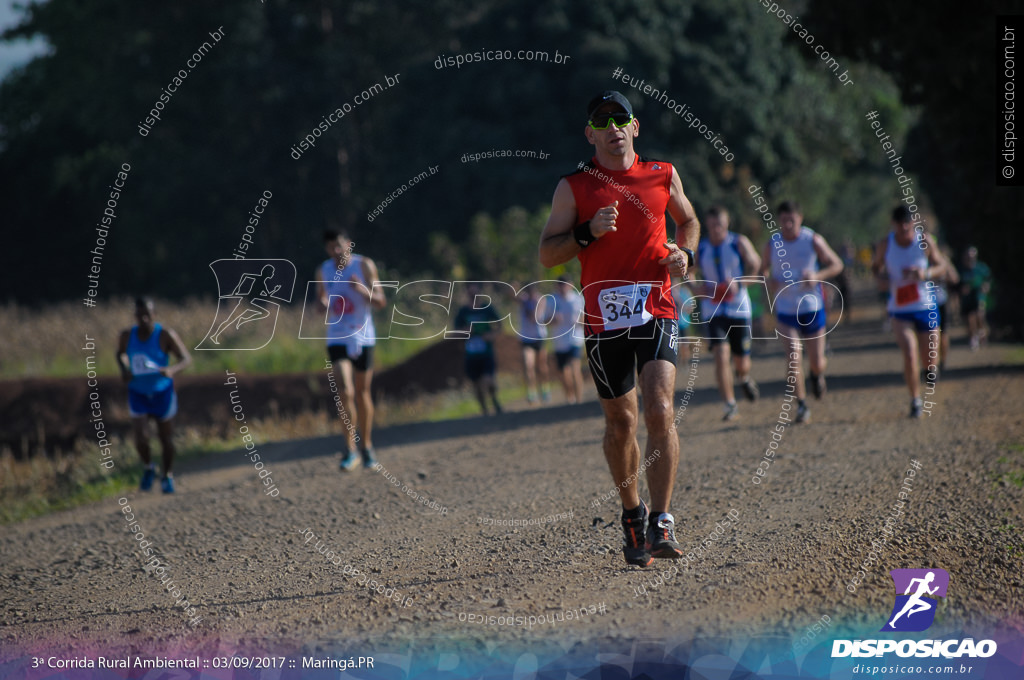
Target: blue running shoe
148, 475
167, 484
369, 459
348, 461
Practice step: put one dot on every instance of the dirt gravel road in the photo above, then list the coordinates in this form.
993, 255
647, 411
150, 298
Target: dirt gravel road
249, 562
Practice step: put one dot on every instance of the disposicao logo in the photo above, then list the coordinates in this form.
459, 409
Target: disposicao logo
914, 611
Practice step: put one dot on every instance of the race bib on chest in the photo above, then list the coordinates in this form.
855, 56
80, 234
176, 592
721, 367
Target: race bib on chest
625, 306
907, 294
723, 293
341, 305
141, 365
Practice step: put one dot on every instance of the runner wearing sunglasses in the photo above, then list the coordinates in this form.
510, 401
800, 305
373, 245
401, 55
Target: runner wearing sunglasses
611, 215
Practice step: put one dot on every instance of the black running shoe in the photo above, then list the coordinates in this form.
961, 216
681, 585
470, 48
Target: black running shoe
635, 547
731, 411
661, 537
751, 390
803, 414
818, 385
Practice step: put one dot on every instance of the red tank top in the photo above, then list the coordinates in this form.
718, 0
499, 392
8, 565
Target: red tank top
615, 264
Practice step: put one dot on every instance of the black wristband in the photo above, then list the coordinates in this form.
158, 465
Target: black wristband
689, 256
581, 232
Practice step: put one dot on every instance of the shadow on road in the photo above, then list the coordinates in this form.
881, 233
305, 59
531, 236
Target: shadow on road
418, 433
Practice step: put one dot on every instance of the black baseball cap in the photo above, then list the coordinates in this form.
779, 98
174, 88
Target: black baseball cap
606, 97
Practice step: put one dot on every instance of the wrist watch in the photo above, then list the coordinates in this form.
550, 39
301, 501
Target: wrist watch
689, 256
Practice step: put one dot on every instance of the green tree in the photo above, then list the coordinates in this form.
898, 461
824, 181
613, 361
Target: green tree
944, 61
70, 118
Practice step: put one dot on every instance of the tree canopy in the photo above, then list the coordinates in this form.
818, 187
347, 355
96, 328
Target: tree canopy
367, 73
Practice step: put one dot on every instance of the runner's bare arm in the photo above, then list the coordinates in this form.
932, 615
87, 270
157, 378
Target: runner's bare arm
321, 291
687, 228
878, 261
172, 344
493, 328
557, 244
833, 264
766, 260
122, 355
952, 275
683, 214
938, 265
766, 270
376, 297
751, 260
542, 310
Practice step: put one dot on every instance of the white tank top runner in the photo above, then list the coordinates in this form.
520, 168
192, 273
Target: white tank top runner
718, 263
566, 329
349, 321
799, 254
530, 328
905, 294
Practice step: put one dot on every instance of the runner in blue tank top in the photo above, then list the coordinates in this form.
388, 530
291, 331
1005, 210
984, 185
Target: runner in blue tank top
797, 263
143, 354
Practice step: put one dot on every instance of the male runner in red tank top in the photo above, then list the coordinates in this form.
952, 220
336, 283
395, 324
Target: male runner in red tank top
611, 215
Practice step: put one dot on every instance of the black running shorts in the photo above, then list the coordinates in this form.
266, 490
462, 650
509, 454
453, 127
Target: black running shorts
479, 365
363, 362
616, 357
736, 331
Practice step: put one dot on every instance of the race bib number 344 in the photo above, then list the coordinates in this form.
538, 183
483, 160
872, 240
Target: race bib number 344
625, 306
